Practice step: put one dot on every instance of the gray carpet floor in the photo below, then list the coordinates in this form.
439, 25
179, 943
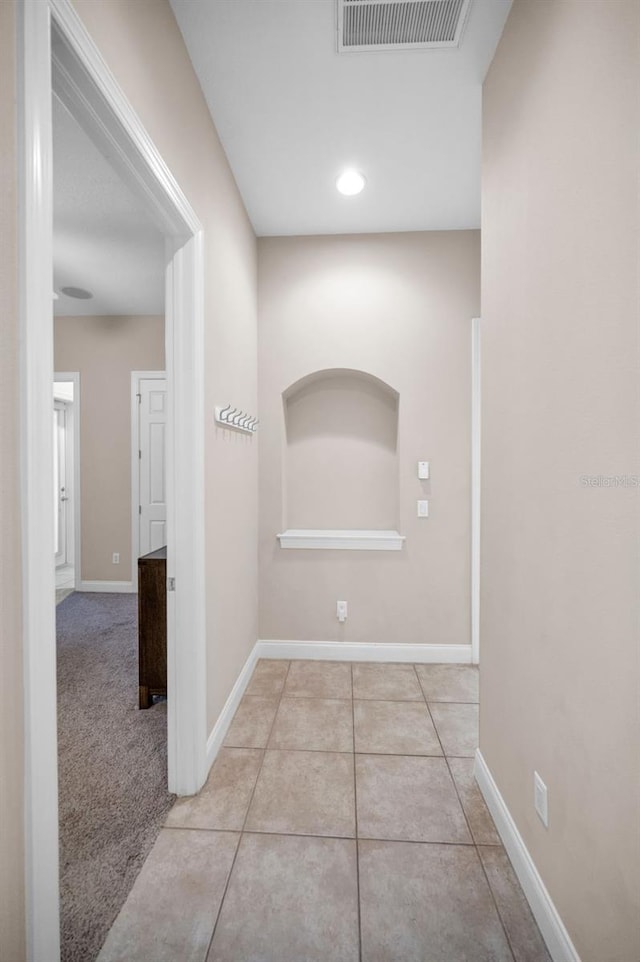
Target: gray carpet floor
112, 766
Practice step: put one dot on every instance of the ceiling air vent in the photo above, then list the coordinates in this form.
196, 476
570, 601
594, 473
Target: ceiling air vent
400, 24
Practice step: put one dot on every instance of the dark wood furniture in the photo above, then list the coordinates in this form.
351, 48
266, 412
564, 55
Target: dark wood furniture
152, 626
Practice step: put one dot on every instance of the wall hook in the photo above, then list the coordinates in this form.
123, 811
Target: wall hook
233, 417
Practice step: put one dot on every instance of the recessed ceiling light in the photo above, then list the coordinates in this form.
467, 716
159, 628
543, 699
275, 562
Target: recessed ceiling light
78, 292
350, 182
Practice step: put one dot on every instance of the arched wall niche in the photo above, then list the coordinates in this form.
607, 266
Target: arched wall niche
340, 455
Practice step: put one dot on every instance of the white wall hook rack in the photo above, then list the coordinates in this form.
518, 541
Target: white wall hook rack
232, 417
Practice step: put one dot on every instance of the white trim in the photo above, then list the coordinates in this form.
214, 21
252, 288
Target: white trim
359, 651
109, 587
221, 727
36, 444
84, 83
559, 943
476, 401
186, 628
341, 540
73, 377
135, 466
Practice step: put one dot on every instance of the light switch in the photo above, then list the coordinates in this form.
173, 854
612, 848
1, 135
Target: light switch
423, 509
423, 470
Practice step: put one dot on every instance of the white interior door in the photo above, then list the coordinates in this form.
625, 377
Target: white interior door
152, 498
60, 493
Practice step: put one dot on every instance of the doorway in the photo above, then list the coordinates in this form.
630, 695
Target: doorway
57, 53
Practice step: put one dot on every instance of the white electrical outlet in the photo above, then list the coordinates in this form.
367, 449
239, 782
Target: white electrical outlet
341, 610
115, 558
540, 799
423, 509
423, 470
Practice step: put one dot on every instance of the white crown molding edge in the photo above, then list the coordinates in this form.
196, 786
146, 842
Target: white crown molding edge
558, 941
108, 587
360, 651
342, 540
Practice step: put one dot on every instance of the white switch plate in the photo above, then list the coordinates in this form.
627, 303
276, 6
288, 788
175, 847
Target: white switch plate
341, 610
540, 799
423, 470
115, 558
423, 509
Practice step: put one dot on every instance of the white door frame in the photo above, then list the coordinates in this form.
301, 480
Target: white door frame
135, 467
82, 80
475, 490
73, 377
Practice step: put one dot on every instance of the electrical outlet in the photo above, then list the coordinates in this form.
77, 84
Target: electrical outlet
115, 558
540, 799
341, 611
423, 509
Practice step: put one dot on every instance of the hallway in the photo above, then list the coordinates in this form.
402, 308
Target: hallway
341, 821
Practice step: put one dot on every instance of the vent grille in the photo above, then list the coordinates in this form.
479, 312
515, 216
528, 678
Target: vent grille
400, 24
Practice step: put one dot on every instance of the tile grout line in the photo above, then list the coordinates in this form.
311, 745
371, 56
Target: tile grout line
333, 751
338, 838
246, 815
464, 813
355, 806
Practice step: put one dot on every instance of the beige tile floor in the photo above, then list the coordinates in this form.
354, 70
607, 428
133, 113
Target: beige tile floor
341, 822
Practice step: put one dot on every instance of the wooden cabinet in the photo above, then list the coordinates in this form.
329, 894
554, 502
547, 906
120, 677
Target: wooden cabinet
152, 626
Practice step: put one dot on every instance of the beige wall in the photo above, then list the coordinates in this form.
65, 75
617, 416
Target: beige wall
143, 47
12, 931
105, 350
341, 434
398, 307
559, 642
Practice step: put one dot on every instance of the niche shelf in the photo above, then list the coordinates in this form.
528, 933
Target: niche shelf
341, 540
340, 463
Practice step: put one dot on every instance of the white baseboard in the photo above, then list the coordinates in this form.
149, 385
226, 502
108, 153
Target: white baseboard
125, 587
559, 943
321, 651
219, 730
359, 651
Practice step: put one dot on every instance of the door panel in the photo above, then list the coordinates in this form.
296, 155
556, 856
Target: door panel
152, 485
156, 438
157, 535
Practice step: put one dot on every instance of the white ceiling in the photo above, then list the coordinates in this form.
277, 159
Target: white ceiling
292, 112
103, 240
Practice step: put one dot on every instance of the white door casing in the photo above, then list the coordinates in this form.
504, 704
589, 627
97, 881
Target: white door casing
83, 82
